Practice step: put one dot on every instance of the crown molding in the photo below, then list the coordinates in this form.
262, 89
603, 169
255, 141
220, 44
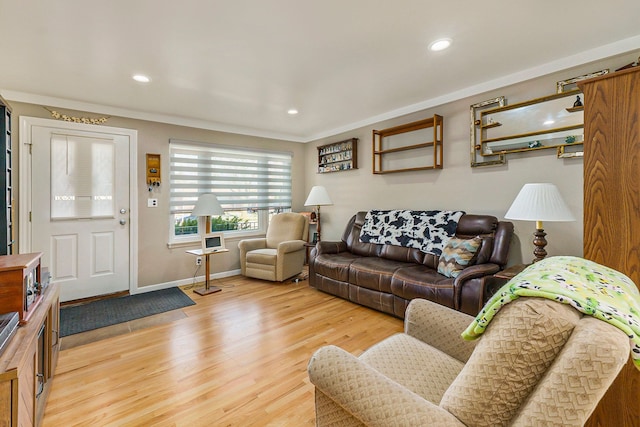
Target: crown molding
617, 48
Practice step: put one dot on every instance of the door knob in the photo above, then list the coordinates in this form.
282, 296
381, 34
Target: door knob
123, 222
123, 211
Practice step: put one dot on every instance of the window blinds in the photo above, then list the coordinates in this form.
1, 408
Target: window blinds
240, 178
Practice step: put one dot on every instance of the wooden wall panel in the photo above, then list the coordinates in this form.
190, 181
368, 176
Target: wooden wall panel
612, 209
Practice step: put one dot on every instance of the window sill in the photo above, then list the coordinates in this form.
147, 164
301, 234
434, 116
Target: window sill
184, 243
194, 242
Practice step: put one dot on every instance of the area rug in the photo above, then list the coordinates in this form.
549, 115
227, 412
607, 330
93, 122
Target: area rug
98, 314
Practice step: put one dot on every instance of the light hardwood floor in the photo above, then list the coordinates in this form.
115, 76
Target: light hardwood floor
236, 358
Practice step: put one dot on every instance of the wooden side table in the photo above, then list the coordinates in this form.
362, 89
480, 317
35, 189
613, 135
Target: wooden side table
498, 280
308, 247
208, 289
511, 272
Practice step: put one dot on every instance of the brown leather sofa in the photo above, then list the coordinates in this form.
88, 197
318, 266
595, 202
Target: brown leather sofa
388, 277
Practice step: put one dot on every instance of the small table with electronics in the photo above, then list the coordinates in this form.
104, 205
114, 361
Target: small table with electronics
208, 289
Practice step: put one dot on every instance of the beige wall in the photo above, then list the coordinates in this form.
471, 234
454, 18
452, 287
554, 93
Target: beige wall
480, 190
488, 190
157, 263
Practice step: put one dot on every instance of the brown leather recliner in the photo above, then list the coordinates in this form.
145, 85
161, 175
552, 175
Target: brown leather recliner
387, 278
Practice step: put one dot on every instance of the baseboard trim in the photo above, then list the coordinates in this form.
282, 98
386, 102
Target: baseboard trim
183, 282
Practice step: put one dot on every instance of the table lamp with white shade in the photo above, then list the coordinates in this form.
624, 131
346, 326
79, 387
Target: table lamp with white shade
318, 196
539, 202
207, 205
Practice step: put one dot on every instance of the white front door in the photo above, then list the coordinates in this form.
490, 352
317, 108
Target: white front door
80, 207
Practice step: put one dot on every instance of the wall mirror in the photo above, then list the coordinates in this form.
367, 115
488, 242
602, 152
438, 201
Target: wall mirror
549, 122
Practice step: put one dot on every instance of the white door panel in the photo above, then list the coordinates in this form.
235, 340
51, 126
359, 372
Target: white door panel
102, 253
79, 186
64, 257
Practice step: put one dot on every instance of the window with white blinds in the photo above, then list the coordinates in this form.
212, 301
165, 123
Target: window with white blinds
240, 178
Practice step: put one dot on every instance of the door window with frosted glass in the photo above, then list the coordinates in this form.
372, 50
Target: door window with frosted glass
82, 177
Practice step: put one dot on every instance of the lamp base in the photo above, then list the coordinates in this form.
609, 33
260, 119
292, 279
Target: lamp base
318, 224
540, 242
205, 291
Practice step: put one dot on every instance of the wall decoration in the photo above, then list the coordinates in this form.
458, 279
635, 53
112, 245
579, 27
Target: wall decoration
572, 83
550, 122
86, 120
476, 159
339, 156
413, 146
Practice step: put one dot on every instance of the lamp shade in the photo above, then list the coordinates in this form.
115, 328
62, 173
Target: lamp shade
539, 202
207, 205
318, 196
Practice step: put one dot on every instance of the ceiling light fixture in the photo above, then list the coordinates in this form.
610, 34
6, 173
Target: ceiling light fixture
440, 44
292, 111
141, 78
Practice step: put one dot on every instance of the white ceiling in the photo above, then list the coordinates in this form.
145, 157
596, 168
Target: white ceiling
239, 65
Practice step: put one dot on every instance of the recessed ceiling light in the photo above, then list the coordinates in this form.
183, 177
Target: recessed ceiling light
292, 111
141, 78
440, 44
549, 122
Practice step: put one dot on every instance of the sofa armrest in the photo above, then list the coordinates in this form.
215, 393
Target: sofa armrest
368, 395
290, 246
330, 247
440, 327
476, 271
469, 288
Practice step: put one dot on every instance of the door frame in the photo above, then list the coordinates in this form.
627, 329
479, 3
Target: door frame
25, 185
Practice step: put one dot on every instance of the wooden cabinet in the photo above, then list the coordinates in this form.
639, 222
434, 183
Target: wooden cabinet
410, 147
28, 363
611, 206
339, 156
20, 284
6, 181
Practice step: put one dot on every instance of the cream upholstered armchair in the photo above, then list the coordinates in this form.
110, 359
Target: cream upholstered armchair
281, 253
539, 363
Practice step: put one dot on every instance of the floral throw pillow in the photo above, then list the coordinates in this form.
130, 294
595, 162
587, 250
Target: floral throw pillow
457, 254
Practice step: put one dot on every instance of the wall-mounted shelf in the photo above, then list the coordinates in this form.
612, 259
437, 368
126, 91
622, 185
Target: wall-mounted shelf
6, 182
338, 156
402, 148
537, 124
575, 109
491, 125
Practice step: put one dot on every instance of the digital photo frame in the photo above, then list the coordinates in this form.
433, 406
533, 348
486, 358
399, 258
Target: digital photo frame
212, 242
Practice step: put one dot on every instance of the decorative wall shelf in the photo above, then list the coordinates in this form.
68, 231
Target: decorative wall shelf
491, 125
552, 122
338, 156
6, 182
403, 148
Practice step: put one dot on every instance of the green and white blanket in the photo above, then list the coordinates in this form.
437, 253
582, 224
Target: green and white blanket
591, 288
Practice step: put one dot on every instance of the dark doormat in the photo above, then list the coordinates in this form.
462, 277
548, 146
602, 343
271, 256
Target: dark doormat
98, 314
